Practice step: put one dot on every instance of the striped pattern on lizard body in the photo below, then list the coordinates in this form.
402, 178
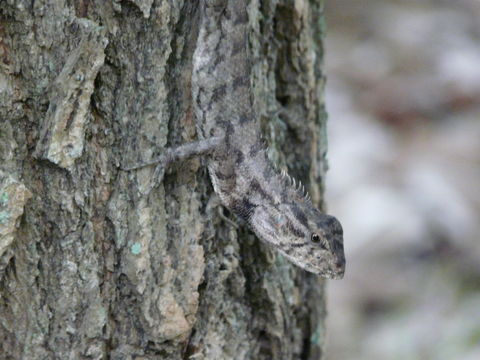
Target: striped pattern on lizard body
241, 173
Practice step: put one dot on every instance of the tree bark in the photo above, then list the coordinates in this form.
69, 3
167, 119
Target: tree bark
90, 266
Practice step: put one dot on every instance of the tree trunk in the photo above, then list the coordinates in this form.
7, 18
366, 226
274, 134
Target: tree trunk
91, 266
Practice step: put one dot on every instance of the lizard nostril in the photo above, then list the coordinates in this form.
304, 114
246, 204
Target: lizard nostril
340, 263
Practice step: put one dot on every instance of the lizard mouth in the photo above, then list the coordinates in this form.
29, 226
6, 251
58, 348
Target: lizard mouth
335, 272
337, 268
336, 275
331, 275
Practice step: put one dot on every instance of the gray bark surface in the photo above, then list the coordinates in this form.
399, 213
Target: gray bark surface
90, 266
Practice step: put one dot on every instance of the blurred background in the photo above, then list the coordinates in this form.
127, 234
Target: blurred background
403, 96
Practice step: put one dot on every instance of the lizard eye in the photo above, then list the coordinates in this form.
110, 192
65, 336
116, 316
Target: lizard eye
318, 240
315, 238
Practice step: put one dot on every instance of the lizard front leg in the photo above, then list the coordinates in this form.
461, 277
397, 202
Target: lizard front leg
175, 154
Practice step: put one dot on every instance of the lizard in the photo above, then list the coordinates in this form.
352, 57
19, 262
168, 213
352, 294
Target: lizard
248, 184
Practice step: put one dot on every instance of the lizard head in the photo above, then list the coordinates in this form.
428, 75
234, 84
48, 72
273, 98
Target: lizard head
308, 238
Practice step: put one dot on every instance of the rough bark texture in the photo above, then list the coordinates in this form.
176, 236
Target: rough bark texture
90, 267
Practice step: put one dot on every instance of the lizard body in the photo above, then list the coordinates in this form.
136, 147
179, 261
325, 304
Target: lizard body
242, 175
